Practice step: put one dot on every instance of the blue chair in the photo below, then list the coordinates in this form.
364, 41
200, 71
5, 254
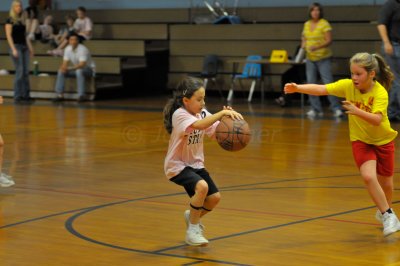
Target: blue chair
251, 70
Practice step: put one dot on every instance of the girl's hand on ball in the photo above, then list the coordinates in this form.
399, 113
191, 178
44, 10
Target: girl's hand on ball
234, 115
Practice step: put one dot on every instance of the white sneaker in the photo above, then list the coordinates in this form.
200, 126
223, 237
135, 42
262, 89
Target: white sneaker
194, 236
312, 114
8, 177
379, 216
337, 113
187, 220
390, 223
4, 182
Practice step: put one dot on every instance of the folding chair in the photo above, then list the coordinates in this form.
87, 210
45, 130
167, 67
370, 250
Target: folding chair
252, 71
211, 65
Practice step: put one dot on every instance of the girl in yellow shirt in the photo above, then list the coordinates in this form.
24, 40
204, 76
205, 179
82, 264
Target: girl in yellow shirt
370, 132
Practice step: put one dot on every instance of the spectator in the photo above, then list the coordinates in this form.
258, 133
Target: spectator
21, 48
316, 39
388, 27
77, 62
63, 34
83, 24
83, 27
46, 30
32, 22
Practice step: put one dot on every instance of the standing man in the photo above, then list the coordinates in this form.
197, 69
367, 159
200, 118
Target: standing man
389, 30
76, 62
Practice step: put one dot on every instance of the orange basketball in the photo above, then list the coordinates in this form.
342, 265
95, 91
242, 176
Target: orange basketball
232, 135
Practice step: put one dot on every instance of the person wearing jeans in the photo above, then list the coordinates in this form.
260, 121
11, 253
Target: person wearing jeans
316, 40
388, 25
77, 63
20, 50
323, 67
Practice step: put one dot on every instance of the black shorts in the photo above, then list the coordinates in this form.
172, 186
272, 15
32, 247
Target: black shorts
189, 177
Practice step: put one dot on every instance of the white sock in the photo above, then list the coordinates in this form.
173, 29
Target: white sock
193, 226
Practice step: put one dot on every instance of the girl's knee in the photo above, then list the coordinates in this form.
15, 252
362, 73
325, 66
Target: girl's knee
213, 199
368, 178
201, 187
216, 198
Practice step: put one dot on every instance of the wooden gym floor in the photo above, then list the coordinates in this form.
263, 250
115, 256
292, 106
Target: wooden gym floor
90, 190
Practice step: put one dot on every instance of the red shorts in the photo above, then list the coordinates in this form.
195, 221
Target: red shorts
383, 155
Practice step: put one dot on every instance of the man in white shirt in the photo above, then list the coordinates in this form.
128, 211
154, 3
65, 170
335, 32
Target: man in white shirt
76, 62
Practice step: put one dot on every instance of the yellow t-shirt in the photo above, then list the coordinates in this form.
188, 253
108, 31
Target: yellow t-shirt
316, 38
374, 101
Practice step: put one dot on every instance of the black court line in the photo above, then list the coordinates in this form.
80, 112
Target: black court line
275, 226
88, 208
192, 263
273, 188
165, 195
160, 110
70, 221
71, 229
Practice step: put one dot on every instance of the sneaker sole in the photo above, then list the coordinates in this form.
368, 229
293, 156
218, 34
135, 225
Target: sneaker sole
196, 244
392, 231
7, 185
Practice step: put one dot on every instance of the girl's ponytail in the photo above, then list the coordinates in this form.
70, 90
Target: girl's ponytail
186, 88
171, 106
385, 75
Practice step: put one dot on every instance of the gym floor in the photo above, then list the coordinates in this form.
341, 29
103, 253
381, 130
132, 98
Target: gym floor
90, 190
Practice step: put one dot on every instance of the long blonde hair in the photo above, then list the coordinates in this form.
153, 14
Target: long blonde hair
375, 62
15, 18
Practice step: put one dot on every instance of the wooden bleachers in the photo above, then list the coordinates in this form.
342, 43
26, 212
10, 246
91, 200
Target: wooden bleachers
132, 34
130, 31
121, 39
354, 31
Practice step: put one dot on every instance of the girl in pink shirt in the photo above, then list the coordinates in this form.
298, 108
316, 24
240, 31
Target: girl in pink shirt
186, 119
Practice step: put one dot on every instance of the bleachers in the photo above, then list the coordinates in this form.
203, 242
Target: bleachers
121, 41
354, 31
125, 39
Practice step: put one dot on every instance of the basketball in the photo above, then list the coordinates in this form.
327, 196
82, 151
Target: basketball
232, 135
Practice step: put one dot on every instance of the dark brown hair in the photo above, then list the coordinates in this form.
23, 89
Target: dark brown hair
314, 5
186, 88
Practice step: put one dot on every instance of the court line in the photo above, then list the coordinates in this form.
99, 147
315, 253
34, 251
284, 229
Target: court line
86, 208
160, 110
159, 196
69, 222
69, 226
275, 226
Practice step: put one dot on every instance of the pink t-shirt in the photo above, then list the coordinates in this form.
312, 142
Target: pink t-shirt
186, 144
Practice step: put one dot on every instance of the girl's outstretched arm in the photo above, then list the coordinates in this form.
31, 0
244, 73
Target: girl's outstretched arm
312, 89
